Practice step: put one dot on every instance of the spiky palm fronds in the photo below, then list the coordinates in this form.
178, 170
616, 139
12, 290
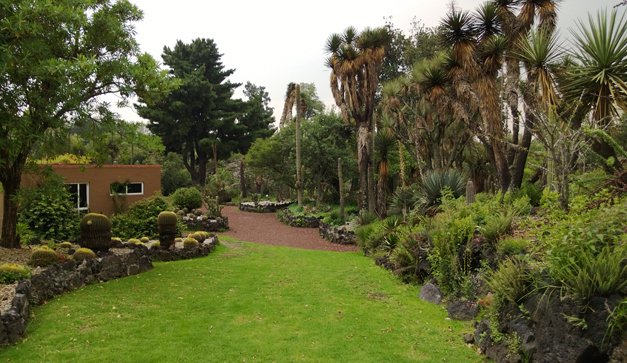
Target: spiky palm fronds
599, 81
458, 32
436, 181
540, 53
487, 22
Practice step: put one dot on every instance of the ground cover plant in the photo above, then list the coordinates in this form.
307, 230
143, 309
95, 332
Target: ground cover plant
246, 302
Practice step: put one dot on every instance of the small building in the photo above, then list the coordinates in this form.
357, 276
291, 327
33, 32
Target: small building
105, 189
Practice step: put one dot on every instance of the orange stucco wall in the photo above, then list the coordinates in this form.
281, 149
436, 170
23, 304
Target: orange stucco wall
100, 178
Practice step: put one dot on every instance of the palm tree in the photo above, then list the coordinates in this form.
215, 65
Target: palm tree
355, 61
598, 80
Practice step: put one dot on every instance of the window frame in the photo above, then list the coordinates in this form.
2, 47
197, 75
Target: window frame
77, 205
126, 185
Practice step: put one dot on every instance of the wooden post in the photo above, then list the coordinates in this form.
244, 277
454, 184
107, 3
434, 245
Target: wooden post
470, 192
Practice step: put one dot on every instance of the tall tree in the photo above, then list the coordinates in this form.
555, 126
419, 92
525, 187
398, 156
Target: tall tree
258, 119
56, 59
198, 119
356, 60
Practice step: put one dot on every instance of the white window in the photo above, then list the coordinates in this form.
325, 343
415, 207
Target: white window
131, 188
80, 195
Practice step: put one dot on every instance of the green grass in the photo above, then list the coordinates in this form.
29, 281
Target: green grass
246, 302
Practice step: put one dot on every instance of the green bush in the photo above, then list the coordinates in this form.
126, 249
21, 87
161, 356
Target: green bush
409, 258
83, 254
48, 211
587, 252
511, 246
511, 281
43, 256
174, 174
13, 272
497, 226
140, 219
189, 198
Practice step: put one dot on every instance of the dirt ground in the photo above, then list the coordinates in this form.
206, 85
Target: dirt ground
265, 228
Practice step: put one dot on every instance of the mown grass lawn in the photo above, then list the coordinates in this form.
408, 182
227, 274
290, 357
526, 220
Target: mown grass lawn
246, 302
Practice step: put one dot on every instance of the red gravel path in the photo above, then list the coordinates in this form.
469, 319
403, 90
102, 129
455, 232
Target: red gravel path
265, 228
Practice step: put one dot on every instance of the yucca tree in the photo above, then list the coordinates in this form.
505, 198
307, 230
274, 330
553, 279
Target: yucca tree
598, 80
355, 60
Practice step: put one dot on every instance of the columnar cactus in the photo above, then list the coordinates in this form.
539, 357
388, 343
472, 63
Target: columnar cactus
96, 232
470, 192
166, 223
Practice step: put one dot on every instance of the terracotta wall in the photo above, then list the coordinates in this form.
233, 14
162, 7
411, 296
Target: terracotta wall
100, 178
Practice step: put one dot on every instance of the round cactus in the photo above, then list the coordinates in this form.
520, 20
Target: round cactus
190, 242
65, 245
82, 254
145, 239
12, 272
43, 256
96, 232
135, 241
166, 223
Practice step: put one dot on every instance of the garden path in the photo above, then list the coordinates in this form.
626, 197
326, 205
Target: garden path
265, 228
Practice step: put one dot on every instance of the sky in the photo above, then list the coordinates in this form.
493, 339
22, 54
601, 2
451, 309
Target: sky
272, 43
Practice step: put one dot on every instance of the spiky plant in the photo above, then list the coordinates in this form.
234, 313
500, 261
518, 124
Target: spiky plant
435, 181
96, 231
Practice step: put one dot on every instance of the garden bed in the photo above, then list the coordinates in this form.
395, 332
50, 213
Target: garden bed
46, 283
263, 206
344, 234
298, 220
195, 222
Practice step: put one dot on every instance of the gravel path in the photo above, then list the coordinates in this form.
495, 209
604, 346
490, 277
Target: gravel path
265, 228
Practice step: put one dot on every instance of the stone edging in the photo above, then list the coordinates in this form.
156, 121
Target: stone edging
263, 206
342, 235
67, 276
300, 221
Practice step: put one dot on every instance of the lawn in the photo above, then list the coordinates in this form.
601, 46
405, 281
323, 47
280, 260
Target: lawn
246, 302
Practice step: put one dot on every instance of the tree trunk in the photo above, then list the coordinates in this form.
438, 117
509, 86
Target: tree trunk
401, 165
340, 187
11, 185
242, 179
518, 166
299, 166
363, 159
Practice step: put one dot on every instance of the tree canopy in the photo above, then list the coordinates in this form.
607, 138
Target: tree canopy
56, 60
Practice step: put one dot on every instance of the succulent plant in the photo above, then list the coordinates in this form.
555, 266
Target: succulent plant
135, 241
65, 245
12, 272
145, 239
43, 256
166, 224
96, 232
190, 242
82, 254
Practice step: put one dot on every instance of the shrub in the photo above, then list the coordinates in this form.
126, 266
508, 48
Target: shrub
496, 226
96, 231
83, 254
190, 242
587, 252
409, 258
189, 198
43, 256
174, 175
511, 281
140, 219
511, 246
26, 235
13, 272
48, 211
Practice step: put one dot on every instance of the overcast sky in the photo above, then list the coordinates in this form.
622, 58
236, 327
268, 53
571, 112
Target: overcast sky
272, 43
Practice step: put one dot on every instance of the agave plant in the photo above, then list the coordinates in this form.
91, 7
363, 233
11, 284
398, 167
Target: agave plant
436, 181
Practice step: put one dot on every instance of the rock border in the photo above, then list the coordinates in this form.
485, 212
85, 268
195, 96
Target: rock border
60, 278
263, 206
299, 221
343, 235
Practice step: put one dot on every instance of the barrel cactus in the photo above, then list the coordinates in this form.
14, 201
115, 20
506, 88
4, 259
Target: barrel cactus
166, 223
43, 256
82, 254
190, 242
96, 232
